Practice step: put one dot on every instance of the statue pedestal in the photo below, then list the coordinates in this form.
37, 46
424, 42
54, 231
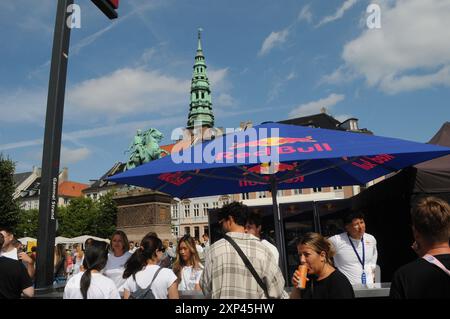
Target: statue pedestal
141, 211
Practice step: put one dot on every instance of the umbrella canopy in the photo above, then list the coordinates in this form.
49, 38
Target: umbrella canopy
299, 157
308, 157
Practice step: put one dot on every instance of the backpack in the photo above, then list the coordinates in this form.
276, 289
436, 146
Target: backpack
145, 293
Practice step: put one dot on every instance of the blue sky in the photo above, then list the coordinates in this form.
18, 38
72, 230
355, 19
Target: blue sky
267, 60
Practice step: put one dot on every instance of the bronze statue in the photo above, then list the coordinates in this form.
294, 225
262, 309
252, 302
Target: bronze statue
145, 148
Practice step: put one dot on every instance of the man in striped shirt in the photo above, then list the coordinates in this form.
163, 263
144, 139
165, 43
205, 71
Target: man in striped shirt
225, 275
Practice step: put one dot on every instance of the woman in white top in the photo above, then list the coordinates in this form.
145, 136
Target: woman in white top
142, 266
91, 284
117, 258
187, 265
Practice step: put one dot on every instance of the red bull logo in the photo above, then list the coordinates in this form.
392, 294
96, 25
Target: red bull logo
367, 163
274, 141
174, 178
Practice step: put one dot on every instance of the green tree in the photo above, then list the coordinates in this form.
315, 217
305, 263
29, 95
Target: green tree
83, 216
107, 216
9, 208
28, 223
78, 218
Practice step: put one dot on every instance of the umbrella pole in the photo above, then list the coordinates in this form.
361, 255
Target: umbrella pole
279, 231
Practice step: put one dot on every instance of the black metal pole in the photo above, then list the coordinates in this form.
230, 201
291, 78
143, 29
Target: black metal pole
48, 199
279, 229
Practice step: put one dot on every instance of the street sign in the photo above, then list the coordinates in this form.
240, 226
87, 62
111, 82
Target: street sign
108, 7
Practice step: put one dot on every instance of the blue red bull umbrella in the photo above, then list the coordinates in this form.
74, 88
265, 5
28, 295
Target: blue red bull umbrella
277, 156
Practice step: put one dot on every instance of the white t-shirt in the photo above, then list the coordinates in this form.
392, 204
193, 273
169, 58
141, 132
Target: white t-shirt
12, 254
347, 261
115, 267
101, 287
272, 249
190, 277
160, 286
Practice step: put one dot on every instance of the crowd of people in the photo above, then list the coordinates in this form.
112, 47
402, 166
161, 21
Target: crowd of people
240, 265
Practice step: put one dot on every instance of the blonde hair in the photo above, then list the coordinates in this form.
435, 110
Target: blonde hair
319, 244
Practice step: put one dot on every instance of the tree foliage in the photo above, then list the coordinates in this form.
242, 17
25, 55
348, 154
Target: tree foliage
83, 216
28, 223
9, 208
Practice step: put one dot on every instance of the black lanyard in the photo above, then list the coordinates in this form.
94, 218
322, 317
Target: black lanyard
356, 252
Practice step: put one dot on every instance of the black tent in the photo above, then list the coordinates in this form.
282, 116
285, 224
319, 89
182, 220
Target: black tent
387, 205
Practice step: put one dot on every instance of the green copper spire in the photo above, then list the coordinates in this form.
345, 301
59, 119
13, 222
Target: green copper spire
200, 108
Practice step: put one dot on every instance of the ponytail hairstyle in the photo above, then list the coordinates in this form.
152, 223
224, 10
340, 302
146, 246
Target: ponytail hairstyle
149, 246
95, 258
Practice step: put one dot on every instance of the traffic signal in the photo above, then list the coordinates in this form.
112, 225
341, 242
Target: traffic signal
108, 7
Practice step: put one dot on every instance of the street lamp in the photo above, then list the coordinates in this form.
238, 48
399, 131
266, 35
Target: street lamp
48, 198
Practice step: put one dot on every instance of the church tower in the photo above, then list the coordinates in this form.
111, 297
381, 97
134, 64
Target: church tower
200, 107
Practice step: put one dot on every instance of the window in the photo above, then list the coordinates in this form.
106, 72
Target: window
205, 230
187, 210
215, 205
203, 95
317, 189
187, 230
245, 196
175, 231
205, 209
175, 211
197, 232
196, 210
297, 191
262, 194
337, 187
66, 201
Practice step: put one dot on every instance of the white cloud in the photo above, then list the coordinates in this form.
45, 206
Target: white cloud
128, 91
305, 14
291, 76
71, 156
21, 144
411, 51
338, 14
218, 80
274, 39
314, 107
23, 105
338, 76
225, 99
393, 85
116, 129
